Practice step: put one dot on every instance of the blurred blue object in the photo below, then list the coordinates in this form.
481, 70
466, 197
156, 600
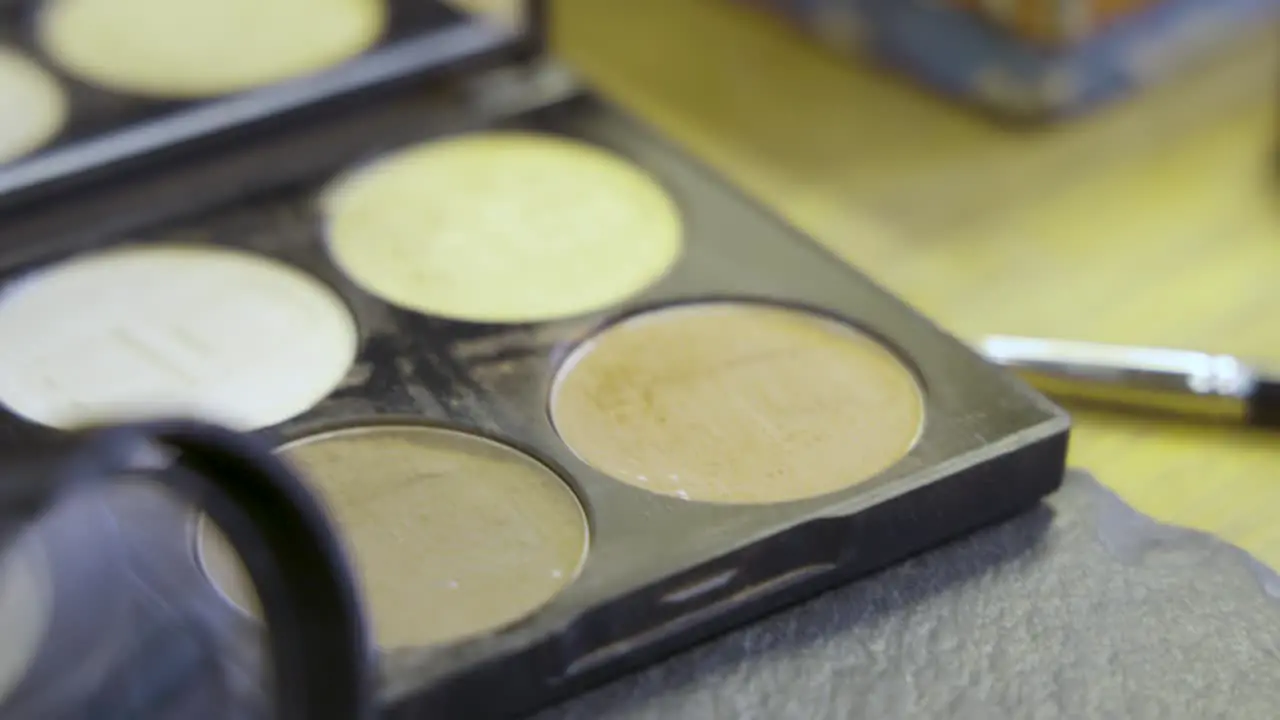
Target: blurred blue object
963, 56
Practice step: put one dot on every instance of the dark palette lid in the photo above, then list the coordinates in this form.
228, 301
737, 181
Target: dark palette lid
424, 39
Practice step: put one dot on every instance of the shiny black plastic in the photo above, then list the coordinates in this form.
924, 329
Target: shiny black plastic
320, 652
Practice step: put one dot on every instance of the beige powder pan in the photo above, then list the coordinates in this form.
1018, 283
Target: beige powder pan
737, 403
33, 106
502, 227
451, 534
186, 49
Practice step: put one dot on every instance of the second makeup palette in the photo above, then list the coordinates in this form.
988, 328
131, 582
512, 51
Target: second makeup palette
89, 87
573, 402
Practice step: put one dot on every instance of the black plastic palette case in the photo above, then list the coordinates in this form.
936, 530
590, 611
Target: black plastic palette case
574, 402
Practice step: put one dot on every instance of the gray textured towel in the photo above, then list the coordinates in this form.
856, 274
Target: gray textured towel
1082, 608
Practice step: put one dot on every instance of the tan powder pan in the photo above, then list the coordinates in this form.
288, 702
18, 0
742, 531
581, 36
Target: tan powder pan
452, 534
737, 403
743, 423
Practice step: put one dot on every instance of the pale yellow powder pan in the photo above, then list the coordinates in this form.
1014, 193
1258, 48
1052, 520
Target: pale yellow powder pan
33, 107
451, 534
199, 48
502, 227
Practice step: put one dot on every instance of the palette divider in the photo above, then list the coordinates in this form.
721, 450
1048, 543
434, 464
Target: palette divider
274, 160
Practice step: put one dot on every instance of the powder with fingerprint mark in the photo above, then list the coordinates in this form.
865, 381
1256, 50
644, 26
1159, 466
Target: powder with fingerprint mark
146, 331
737, 403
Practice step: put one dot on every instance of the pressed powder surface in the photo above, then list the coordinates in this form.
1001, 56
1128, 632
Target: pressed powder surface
502, 227
26, 604
153, 330
451, 534
33, 106
199, 48
736, 403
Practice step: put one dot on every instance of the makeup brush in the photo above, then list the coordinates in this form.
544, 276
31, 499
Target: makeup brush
1175, 382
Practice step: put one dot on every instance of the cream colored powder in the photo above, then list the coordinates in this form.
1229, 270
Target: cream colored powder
151, 330
33, 106
26, 605
199, 48
451, 534
736, 403
502, 227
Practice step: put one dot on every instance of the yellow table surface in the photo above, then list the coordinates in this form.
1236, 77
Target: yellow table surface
1154, 222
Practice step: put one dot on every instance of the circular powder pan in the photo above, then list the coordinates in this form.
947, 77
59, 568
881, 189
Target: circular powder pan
451, 534
736, 403
502, 227
186, 49
147, 331
33, 106
26, 605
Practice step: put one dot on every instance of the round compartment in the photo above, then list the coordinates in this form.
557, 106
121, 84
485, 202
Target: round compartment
65, 604
502, 227
186, 49
451, 534
739, 403
148, 331
26, 607
35, 106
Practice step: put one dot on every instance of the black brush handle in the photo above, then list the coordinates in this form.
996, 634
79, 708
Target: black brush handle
1264, 404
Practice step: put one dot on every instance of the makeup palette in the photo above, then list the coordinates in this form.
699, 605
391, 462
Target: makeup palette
574, 402
90, 88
